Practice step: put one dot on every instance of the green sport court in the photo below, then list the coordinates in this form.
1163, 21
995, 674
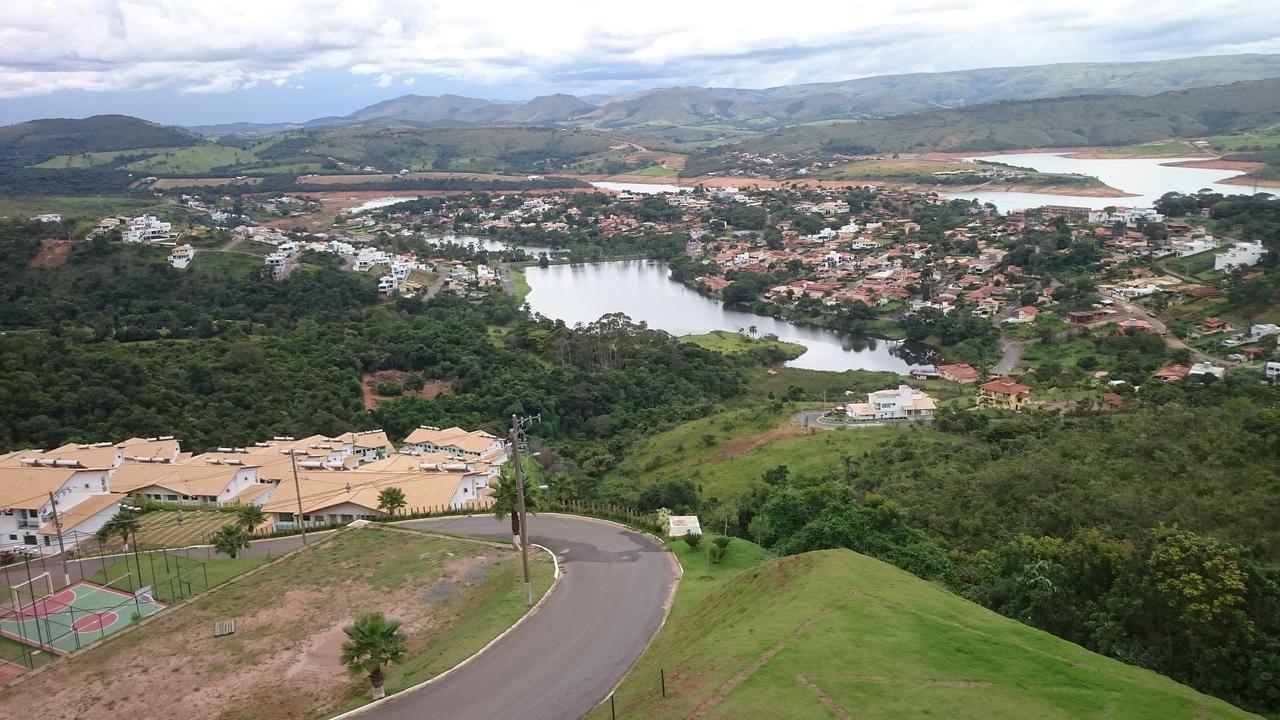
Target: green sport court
75, 616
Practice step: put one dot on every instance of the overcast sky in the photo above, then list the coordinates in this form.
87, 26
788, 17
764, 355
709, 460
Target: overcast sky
200, 61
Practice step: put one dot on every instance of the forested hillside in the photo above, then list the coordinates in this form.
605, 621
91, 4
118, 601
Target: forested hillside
1058, 122
38, 140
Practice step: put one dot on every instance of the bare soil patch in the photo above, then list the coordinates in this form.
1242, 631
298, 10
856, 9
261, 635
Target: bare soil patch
282, 661
52, 254
743, 445
1218, 164
368, 383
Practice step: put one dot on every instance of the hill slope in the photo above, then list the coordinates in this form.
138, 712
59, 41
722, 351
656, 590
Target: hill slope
1058, 122
38, 140
837, 634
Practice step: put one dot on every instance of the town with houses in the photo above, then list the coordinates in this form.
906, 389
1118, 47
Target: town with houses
54, 500
804, 253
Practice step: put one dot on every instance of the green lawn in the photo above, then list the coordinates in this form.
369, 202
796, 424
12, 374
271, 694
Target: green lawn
837, 634
732, 343
76, 207
172, 577
520, 284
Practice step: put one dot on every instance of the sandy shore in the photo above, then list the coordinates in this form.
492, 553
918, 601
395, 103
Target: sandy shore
1251, 181
1075, 153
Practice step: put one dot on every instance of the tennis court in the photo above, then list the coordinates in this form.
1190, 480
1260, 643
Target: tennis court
75, 616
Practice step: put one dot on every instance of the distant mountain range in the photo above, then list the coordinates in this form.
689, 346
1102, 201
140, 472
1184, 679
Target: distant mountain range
673, 111
1054, 122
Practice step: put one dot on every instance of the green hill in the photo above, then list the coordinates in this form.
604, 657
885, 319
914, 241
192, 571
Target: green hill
36, 141
1058, 122
838, 634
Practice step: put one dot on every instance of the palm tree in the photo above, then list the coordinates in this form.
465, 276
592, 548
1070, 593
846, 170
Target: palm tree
124, 524
505, 504
752, 331
230, 540
373, 642
250, 517
391, 500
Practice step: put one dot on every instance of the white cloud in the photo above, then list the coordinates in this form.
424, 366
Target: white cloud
203, 46
410, 81
384, 80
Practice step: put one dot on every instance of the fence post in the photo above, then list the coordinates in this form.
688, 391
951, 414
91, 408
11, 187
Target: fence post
662, 675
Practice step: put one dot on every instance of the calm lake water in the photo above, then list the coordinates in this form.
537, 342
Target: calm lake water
1148, 178
643, 290
479, 243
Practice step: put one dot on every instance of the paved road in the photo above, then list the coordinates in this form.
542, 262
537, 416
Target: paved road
567, 657
564, 659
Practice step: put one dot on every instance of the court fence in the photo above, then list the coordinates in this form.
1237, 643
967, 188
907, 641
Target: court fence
51, 606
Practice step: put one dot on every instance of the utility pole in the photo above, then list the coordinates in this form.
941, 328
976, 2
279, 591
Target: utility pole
518, 426
297, 492
62, 550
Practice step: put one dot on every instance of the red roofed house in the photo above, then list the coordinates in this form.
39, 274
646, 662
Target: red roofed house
963, 374
1003, 393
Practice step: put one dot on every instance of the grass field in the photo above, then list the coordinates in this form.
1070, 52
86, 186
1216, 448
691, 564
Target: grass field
161, 528
76, 207
837, 634
728, 452
731, 343
520, 284
453, 597
656, 171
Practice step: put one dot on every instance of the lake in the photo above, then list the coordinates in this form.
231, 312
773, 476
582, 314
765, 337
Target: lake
644, 291
1147, 178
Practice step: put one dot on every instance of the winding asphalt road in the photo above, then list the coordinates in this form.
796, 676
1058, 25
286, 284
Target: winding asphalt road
563, 660
576, 648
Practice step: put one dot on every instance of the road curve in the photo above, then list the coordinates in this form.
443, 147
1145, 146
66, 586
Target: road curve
569, 655
562, 660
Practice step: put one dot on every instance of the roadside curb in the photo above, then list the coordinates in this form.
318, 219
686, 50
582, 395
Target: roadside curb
376, 704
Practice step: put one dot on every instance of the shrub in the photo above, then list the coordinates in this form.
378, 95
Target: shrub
722, 541
693, 540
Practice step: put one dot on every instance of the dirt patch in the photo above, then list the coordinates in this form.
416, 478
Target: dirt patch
1250, 180
823, 698
52, 253
282, 661
368, 383
957, 683
743, 445
472, 567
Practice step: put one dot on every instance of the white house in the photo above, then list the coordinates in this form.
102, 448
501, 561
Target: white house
904, 403
1273, 371
459, 443
213, 483
1207, 368
181, 256
48, 218
144, 228
1241, 254
341, 497
27, 497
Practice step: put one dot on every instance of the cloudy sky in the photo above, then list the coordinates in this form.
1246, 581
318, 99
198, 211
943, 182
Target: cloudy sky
200, 61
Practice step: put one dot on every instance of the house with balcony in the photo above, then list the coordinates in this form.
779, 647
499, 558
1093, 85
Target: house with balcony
213, 483
904, 403
1003, 393
29, 495
459, 443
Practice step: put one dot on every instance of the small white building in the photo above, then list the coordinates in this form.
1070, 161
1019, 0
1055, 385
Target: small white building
1273, 371
1207, 368
181, 256
48, 218
681, 525
1241, 254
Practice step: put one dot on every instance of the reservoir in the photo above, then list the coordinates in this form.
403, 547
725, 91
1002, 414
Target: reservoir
642, 290
1146, 178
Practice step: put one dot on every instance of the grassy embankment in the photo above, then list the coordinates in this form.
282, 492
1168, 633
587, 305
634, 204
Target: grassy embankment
838, 634
520, 284
728, 452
